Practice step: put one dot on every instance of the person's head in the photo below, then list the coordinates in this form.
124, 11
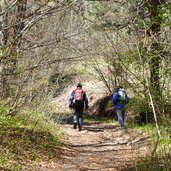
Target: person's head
118, 87
79, 85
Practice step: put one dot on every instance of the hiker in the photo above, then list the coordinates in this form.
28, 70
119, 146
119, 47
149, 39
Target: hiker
77, 101
120, 99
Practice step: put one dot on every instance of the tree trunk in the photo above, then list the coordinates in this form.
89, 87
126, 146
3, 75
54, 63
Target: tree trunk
3, 23
11, 51
155, 58
3, 44
20, 15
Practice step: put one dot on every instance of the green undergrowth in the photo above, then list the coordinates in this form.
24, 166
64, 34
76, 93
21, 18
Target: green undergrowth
27, 136
161, 159
152, 164
151, 130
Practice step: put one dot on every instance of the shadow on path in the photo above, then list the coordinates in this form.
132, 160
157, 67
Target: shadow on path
103, 147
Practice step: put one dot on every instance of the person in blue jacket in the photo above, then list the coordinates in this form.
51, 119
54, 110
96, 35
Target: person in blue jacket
120, 99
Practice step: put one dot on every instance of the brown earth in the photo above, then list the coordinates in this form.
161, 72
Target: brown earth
103, 147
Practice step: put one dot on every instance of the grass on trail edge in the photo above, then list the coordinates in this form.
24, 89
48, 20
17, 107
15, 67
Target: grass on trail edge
26, 137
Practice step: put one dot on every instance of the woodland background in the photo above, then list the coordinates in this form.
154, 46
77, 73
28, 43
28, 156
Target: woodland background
47, 45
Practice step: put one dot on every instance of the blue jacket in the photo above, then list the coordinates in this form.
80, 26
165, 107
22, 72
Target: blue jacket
116, 101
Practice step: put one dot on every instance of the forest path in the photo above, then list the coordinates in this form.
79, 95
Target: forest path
103, 147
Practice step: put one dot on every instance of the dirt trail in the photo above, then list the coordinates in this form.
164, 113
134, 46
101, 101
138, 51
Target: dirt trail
103, 147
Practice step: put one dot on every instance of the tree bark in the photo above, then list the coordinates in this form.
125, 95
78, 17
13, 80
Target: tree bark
3, 44
155, 60
10, 50
3, 23
20, 15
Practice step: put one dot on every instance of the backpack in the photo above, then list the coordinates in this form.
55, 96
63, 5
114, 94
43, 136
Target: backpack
123, 98
78, 98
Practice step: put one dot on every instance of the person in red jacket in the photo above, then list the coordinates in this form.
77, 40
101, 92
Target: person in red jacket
77, 102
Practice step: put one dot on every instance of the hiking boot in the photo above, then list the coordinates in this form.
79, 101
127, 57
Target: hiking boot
75, 126
122, 126
80, 129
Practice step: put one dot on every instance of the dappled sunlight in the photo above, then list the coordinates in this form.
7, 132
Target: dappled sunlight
106, 146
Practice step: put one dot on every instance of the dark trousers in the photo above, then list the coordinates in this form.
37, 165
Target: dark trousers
78, 117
